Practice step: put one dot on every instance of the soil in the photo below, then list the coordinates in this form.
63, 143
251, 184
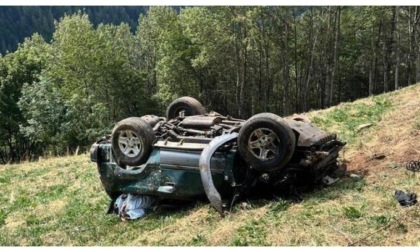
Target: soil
395, 140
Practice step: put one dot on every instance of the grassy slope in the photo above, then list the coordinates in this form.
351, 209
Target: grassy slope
59, 201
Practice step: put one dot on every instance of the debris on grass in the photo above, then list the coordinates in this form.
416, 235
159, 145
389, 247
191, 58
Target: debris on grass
413, 166
406, 198
363, 126
355, 176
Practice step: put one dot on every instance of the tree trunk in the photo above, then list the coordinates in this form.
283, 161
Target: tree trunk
418, 66
286, 70
325, 86
297, 84
311, 46
387, 46
268, 83
413, 33
244, 72
410, 49
397, 63
416, 28
373, 66
337, 34
385, 70
390, 43
238, 79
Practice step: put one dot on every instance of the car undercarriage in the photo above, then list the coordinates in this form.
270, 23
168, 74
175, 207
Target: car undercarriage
192, 154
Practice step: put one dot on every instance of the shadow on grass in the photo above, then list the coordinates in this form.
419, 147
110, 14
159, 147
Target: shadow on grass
179, 208
260, 196
335, 191
282, 199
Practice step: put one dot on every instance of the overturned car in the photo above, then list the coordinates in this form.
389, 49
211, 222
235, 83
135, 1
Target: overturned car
192, 154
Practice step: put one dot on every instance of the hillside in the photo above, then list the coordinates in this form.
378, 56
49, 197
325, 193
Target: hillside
59, 201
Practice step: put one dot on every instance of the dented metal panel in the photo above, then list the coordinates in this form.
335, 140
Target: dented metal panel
173, 159
206, 177
160, 177
309, 135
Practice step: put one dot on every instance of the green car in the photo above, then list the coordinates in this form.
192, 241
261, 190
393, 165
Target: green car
191, 154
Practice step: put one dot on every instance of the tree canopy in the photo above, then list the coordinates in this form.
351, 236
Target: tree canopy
59, 94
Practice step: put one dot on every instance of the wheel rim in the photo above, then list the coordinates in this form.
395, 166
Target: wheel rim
181, 113
129, 143
264, 144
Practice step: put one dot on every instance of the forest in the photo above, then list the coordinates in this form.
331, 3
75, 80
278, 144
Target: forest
59, 94
18, 22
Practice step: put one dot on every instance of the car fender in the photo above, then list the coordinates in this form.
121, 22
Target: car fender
211, 192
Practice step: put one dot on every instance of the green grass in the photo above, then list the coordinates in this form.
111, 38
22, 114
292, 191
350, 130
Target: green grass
252, 233
351, 115
60, 202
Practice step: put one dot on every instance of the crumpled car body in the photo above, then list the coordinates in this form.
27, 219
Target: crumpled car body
191, 154
166, 174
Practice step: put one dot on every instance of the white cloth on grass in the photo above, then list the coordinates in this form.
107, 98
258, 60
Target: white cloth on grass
131, 207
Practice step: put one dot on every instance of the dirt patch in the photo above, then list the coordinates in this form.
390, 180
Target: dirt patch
360, 164
395, 137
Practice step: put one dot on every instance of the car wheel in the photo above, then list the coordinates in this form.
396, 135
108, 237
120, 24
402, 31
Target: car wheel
266, 142
132, 141
152, 120
184, 106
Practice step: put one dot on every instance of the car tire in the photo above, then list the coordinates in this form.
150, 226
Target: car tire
132, 141
152, 120
184, 105
266, 142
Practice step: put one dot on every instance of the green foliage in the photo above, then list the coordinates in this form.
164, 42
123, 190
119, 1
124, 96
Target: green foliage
197, 240
79, 99
20, 68
218, 53
165, 50
252, 234
353, 184
379, 221
2, 217
352, 212
280, 206
45, 111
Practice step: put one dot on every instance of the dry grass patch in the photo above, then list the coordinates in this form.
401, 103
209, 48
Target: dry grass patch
14, 221
50, 209
180, 231
55, 238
